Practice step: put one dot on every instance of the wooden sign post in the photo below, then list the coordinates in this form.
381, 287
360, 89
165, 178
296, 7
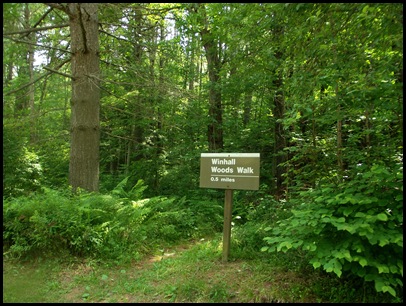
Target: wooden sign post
229, 171
228, 207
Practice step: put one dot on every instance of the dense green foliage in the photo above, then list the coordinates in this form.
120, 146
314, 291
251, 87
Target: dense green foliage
353, 227
316, 89
120, 226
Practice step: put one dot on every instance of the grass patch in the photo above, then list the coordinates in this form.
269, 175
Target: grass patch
189, 272
32, 282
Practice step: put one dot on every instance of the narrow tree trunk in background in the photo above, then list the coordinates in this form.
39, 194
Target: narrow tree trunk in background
140, 111
85, 102
215, 126
279, 156
247, 108
31, 88
339, 136
399, 80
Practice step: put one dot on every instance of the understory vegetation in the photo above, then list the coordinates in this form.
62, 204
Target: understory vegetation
122, 228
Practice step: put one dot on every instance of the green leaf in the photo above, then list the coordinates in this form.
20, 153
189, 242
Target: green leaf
382, 217
381, 287
348, 210
337, 271
343, 254
399, 197
285, 244
341, 220
383, 269
316, 264
383, 242
363, 262
390, 290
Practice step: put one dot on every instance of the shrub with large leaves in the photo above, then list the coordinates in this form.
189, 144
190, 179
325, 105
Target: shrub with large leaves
354, 227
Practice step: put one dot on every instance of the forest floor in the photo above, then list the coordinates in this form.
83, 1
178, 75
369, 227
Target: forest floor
192, 272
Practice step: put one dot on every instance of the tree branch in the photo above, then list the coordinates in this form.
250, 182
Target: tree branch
38, 45
59, 6
37, 29
116, 37
37, 79
43, 17
39, 21
61, 73
116, 136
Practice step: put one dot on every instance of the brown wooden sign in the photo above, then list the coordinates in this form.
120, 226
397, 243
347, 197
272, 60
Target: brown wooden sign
229, 171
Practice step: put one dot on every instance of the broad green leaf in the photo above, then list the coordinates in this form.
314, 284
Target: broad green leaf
338, 271
393, 269
383, 242
382, 217
285, 244
341, 220
316, 264
348, 210
379, 285
344, 254
363, 262
390, 290
383, 269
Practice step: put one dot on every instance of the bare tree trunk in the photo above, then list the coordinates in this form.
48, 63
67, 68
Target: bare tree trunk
279, 155
31, 88
247, 108
85, 102
340, 162
215, 126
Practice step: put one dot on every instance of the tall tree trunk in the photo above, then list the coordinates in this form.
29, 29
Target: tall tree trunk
279, 156
85, 102
210, 44
134, 152
31, 88
247, 108
340, 162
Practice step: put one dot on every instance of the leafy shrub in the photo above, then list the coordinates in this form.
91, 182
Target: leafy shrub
117, 226
172, 219
55, 166
86, 224
247, 239
31, 222
22, 170
354, 227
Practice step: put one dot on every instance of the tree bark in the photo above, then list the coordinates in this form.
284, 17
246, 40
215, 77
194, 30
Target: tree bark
85, 101
340, 162
31, 89
215, 126
279, 157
